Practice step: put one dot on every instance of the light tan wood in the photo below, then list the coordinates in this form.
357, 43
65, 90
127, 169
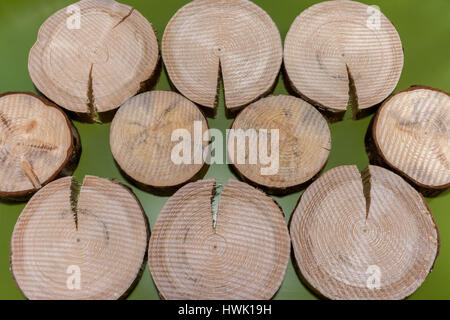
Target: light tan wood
99, 66
242, 254
335, 53
235, 36
412, 134
349, 224
100, 228
304, 140
36, 143
140, 138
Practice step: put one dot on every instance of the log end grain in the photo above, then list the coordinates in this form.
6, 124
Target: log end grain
363, 236
91, 57
240, 251
233, 37
141, 139
338, 53
37, 143
304, 142
96, 232
411, 136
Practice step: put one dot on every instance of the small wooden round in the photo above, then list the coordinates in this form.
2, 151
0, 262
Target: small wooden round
143, 144
72, 243
336, 49
92, 56
36, 143
234, 37
411, 133
242, 255
303, 146
363, 236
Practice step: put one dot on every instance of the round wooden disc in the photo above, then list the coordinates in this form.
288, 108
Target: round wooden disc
141, 138
36, 142
336, 44
304, 140
98, 66
101, 231
375, 239
235, 36
243, 257
412, 134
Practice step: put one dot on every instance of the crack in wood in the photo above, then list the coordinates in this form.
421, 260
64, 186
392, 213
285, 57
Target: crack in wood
216, 194
124, 18
92, 110
5, 121
367, 187
75, 189
352, 95
38, 144
29, 172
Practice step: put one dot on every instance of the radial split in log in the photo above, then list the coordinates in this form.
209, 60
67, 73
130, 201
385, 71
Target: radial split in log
241, 252
234, 37
303, 146
92, 56
73, 242
36, 144
411, 133
363, 236
144, 139
338, 53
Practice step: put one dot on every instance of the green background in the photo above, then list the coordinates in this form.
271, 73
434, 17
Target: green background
424, 27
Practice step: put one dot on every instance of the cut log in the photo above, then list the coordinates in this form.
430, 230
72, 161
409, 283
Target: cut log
410, 134
37, 143
363, 236
338, 53
141, 139
234, 37
91, 57
73, 242
239, 252
303, 147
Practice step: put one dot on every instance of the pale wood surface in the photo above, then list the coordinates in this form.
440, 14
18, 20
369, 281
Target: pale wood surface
244, 256
347, 221
97, 67
36, 142
329, 46
412, 134
304, 140
103, 232
235, 36
140, 138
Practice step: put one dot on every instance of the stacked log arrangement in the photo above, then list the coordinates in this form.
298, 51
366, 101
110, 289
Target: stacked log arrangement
351, 232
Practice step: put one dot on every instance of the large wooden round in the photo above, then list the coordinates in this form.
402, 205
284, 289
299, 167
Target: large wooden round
235, 36
98, 233
303, 146
243, 256
337, 49
141, 138
412, 134
36, 143
370, 238
94, 66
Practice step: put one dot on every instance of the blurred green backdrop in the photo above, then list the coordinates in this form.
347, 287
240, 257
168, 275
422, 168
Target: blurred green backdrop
424, 27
